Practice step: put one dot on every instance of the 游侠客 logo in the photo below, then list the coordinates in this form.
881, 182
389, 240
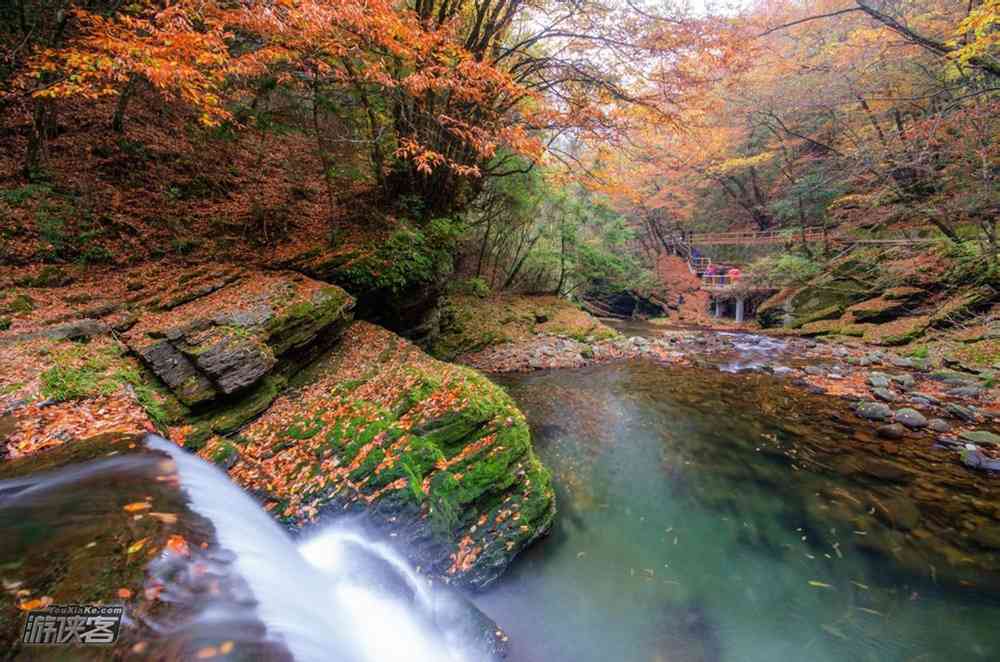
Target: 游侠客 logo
73, 625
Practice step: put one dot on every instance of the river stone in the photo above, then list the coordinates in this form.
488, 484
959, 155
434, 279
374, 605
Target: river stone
981, 438
938, 425
924, 399
960, 412
911, 418
878, 380
891, 431
966, 392
905, 380
884, 394
874, 411
814, 370
951, 377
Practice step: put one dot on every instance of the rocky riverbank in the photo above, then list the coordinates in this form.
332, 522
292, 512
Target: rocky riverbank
264, 373
903, 398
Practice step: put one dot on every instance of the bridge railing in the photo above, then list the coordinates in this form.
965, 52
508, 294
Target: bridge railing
768, 237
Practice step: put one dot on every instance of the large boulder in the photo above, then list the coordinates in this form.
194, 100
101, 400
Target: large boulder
221, 333
432, 453
826, 297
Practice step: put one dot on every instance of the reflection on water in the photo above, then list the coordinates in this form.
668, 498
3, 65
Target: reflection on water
713, 517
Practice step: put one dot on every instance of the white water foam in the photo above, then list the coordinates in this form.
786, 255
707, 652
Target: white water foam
305, 594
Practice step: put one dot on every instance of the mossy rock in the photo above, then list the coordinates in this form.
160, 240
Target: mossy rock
831, 312
962, 306
982, 354
822, 328
433, 452
771, 313
229, 415
904, 293
879, 309
900, 332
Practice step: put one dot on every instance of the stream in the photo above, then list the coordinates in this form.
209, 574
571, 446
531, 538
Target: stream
706, 514
715, 515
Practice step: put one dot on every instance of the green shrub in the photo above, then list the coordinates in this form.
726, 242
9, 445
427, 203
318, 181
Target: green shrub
476, 286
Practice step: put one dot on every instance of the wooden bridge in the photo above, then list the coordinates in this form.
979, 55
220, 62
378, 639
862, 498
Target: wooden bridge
729, 289
753, 238
809, 235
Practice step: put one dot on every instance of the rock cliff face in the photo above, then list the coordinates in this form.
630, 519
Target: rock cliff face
431, 453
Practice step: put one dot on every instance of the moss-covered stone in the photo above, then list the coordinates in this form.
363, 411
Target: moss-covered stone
302, 322
470, 323
879, 309
961, 306
435, 452
900, 332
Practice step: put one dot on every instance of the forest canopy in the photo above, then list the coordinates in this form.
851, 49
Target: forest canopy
554, 128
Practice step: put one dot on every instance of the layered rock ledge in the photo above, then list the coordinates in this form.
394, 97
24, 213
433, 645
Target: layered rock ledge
432, 454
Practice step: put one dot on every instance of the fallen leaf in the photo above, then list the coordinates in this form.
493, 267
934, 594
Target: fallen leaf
177, 544
166, 518
816, 584
227, 647
136, 506
206, 652
137, 545
37, 603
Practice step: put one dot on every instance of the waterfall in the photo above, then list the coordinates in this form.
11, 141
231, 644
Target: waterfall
318, 597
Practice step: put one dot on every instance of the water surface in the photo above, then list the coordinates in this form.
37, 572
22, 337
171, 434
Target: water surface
717, 517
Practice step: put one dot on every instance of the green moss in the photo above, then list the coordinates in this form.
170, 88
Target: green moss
21, 304
223, 453
231, 414
5, 323
300, 323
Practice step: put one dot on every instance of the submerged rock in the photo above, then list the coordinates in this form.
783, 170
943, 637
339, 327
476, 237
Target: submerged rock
873, 411
911, 418
433, 454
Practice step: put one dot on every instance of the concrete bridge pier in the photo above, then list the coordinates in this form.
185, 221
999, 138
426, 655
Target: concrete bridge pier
740, 308
717, 312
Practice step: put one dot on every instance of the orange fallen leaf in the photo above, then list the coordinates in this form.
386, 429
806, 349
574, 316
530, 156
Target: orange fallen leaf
37, 603
166, 518
177, 544
136, 506
227, 647
206, 652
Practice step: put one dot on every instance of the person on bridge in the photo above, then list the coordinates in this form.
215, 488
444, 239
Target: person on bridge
734, 275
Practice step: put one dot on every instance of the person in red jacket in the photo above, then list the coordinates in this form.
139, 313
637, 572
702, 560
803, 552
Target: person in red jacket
734, 276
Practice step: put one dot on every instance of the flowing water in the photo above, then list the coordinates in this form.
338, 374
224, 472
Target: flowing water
334, 595
707, 516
